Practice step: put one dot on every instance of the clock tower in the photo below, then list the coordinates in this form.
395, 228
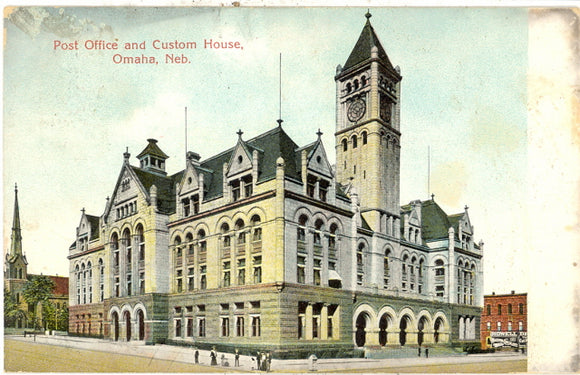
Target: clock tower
368, 130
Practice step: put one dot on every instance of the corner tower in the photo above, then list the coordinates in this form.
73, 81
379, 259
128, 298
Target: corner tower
368, 129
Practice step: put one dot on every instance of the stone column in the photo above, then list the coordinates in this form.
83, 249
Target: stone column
308, 318
412, 335
324, 322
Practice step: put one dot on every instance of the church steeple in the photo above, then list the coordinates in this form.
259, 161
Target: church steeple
16, 243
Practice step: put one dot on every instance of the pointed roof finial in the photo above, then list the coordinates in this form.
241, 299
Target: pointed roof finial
319, 133
368, 15
466, 208
239, 133
279, 121
16, 187
432, 197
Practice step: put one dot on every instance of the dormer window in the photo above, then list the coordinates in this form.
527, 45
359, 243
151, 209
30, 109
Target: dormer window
323, 190
235, 190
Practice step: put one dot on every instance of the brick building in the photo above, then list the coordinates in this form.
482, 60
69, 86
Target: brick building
267, 246
504, 320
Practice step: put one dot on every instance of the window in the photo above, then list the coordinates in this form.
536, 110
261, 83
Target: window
225, 331
235, 190
201, 327
189, 327
488, 326
509, 308
257, 270
354, 141
177, 327
488, 307
248, 187
256, 326
226, 279
141, 282
509, 326
241, 271
311, 185
498, 309
344, 145
316, 271
302, 221
360, 263
240, 326
203, 277
190, 279
323, 190
520, 326
364, 138
499, 326
521, 308
301, 270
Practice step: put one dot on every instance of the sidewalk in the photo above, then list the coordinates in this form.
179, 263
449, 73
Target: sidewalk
186, 355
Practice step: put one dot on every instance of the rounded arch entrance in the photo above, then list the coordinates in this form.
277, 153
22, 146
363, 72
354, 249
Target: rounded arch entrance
405, 324
115, 323
127, 321
141, 324
422, 326
362, 322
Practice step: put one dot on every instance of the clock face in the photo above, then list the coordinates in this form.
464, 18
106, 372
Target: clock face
356, 110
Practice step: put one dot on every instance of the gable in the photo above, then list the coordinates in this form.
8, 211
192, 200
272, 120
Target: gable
190, 180
318, 162
414, 218
84, 226
240, 161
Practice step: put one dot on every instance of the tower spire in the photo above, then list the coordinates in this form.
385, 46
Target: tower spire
16, 243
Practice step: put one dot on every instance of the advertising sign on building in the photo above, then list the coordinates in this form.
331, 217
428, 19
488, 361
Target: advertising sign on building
508, 339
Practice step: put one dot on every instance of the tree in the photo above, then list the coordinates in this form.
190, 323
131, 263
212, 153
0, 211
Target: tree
37, 289
11, 309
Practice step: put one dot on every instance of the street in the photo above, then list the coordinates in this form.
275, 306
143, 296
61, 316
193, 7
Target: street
65, 354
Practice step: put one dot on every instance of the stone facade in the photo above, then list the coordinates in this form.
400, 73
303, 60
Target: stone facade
267, 246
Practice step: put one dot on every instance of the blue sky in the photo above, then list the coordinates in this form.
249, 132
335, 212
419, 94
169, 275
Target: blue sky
68, 115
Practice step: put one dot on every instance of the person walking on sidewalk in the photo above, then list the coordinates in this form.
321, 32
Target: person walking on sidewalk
213, 356
196, 355
237, 359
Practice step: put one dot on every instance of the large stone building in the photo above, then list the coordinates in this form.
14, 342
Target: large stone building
266, 245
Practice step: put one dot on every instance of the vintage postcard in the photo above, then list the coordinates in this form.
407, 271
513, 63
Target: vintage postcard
290, 189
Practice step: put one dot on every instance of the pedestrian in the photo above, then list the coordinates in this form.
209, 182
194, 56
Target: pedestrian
419, 351
258, 354
269, 358
213, 356
237, 359
223, 360
426, 352
196, 355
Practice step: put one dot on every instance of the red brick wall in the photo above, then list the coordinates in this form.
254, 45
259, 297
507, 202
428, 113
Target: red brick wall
86, 320
494, 301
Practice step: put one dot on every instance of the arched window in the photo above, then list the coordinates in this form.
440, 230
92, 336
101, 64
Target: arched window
348, 87
319, 226
386, 268
364, 138
84, 283
439, 278
225, 238
189, 241
257, 232
177, 244
332, 236
90, 282
354, 141
302, 221
201, 241
360, 263
141, 242
344, 145
242, 234
78, 276
101, 281
356, 84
